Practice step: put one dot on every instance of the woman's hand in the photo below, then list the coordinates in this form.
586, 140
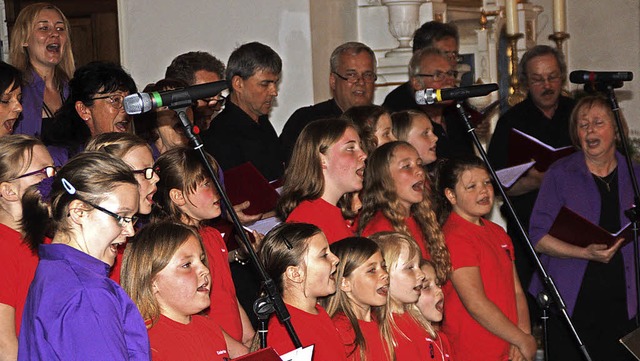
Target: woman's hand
600, 252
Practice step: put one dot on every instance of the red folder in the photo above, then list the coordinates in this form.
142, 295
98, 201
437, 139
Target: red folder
246, 183
573, 228
266, 354
523, 148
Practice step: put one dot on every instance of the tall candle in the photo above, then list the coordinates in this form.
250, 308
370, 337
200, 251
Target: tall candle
512, 16
559, 14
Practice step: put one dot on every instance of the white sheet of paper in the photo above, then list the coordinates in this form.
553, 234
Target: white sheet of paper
299, 354
509, 176
264, 225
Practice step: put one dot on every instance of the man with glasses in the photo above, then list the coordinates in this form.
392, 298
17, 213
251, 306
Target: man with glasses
199, 67
441, 36
544, 115
352, 80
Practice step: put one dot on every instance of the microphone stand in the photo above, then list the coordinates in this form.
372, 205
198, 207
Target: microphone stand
631, 213
548, 281
179, 104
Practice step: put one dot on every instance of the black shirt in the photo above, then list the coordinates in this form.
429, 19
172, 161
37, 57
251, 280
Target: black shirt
234, 138
300, 118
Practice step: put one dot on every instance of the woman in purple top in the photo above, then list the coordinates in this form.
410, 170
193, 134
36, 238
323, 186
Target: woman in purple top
41, 49
73, 310
596, 282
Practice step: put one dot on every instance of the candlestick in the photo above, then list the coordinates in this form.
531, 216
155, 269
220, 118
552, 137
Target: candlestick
511, 14
516, 95
559, 16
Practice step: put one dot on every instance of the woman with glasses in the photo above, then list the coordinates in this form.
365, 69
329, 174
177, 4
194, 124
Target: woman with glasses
136, 153
73, 310
94, 107
24, 161
41, 49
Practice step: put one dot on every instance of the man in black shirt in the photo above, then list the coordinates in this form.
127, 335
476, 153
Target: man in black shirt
242, 132
544, 115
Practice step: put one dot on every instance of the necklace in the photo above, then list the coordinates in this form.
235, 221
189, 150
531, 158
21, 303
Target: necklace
606, 180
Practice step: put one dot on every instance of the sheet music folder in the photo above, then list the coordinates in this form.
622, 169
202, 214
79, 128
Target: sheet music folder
572, 228
246, 183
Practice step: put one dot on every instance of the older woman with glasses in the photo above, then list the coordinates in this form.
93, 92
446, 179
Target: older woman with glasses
73, 310
597, 281
94, 107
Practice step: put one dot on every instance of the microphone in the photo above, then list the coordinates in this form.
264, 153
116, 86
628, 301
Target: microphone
584, 76
143, 102
430, 96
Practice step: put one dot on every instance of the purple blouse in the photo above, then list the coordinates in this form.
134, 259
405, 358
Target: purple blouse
569, 183
30, 121
74, 311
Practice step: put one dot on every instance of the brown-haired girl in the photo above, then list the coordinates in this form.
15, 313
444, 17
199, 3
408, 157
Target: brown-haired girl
298, 259
24, 161
395, 198
166, 273
327, 163
186, 194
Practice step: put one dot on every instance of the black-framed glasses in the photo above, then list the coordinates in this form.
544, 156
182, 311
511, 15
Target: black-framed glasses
146, 172
441, 75
122, 220
353, 77
115, 100
48, 171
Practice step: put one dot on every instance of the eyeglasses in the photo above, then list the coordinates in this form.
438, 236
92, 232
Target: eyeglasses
441, 75
538, 80
115, 100
146, 172
353, 77
48, 171
122, 220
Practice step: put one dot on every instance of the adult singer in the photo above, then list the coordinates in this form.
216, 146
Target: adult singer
596, 282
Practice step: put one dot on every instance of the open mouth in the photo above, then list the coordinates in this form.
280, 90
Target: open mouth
383, 291
53, 48
360, 172
116, 245
122, 126
217, 203
8, 125
418, 186
440, 306
204, 287
418, 288
484, 201
592, 143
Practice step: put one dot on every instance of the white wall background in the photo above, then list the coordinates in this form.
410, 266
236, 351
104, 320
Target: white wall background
153, 32
605, 35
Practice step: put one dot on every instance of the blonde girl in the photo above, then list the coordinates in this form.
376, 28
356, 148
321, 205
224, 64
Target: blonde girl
358, 308
395, 198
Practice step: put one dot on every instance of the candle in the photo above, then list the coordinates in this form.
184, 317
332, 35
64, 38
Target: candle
559, 24
512, 16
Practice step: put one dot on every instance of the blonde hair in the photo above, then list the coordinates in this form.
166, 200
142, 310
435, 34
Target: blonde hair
391, 244
115, 143
354, 252
379, 194
149, 253
22, 31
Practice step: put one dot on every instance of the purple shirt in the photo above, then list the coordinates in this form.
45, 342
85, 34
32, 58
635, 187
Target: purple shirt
30, 121
569, 183
74, 311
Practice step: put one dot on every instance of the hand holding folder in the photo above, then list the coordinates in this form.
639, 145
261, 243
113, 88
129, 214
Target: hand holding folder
572, 228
